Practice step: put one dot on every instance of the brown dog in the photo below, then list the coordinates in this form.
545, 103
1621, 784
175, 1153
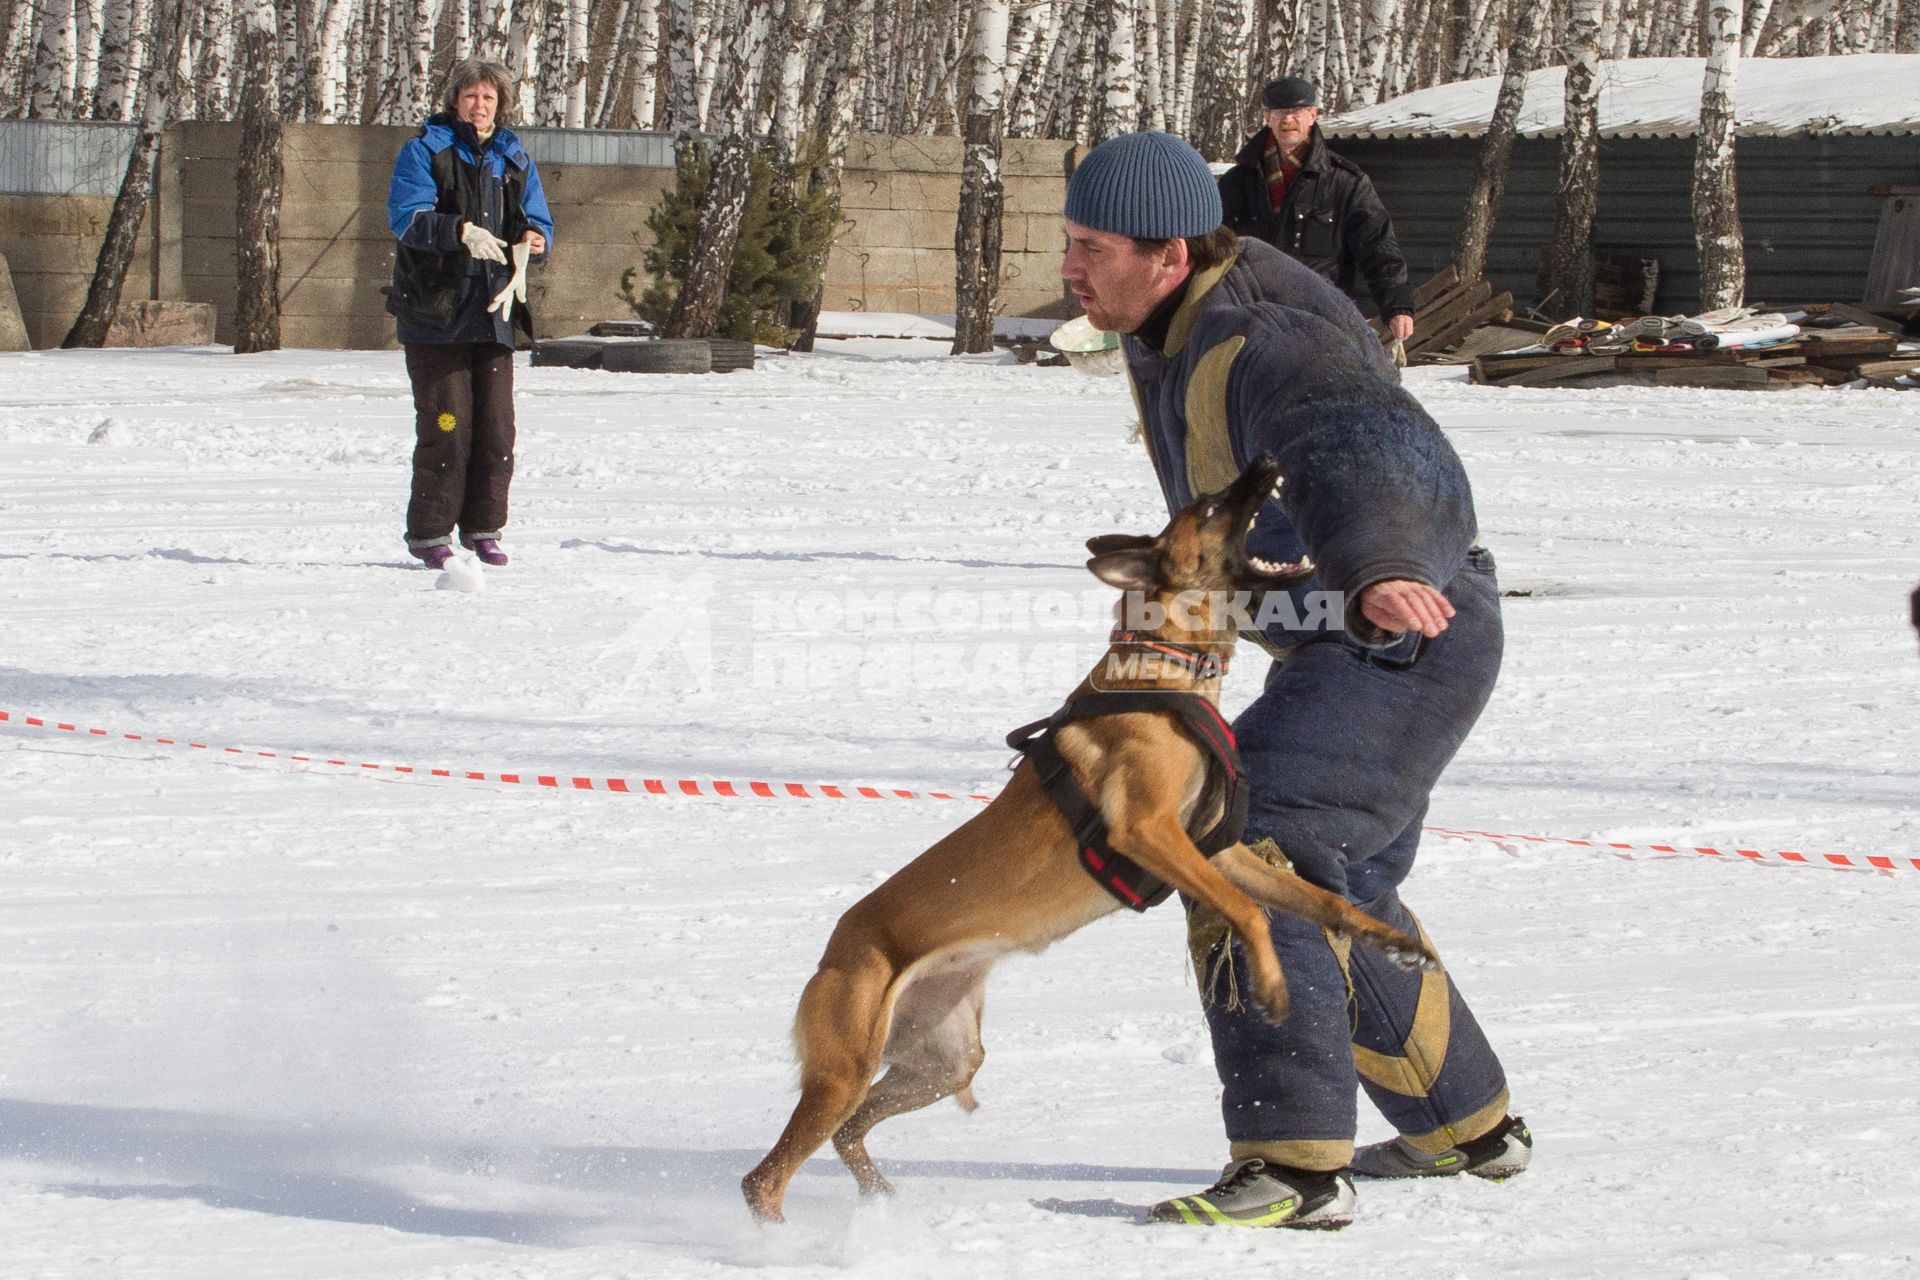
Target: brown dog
904, 975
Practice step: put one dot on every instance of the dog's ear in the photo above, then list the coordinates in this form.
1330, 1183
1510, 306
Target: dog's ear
1128, 568
1107, 542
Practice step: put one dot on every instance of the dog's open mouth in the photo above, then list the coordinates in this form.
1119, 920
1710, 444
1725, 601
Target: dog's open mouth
1260, 483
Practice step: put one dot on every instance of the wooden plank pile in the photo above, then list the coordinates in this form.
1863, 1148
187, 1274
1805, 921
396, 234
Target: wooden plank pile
1446, 311
1838, 344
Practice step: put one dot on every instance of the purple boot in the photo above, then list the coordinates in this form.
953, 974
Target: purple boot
488, 549
434, 557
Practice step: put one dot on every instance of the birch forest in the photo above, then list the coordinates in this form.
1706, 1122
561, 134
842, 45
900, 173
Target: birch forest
1067, 69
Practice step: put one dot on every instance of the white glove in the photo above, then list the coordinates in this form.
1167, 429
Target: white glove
482, 243
516, 290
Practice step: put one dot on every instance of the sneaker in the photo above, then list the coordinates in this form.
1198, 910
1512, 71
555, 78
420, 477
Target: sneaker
488, 549
1497, 1155
434, 557
1253, 1193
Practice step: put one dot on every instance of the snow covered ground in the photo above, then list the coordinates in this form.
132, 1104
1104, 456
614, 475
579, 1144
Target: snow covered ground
267, 1019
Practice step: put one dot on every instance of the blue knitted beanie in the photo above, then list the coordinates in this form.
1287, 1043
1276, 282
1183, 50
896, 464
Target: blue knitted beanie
1150, 185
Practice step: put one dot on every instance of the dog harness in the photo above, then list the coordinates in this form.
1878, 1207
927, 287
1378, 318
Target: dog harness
1117, 874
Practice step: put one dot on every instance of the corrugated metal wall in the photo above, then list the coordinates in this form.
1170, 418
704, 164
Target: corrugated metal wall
59, 158
1809, 220
62, 158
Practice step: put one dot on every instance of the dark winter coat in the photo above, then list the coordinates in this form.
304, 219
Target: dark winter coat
1265, 356
445, 176
1331, 219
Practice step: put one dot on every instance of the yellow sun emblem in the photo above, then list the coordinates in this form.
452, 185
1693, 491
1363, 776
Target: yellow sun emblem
447, 422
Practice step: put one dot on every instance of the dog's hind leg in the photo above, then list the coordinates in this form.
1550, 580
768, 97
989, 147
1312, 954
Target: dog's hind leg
839, 1033
934, 1049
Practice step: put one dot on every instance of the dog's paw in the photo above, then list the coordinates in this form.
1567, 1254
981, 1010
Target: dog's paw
1411, 958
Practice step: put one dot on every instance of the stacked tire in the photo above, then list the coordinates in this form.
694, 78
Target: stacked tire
644, 355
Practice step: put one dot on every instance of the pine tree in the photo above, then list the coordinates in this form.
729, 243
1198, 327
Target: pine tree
783, 238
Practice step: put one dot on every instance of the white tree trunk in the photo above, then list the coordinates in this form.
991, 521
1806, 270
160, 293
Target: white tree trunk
1567, 282
551, 65
1187, 79
1716, 198
1752, 24
215, 65
115, 98
1119, 78
50, 92
978, 226
575, 115
706, 57
646, 58
261, 174
421, 18
1370, 59
490, 37
682, 115
788, 123
86, 57
330, 60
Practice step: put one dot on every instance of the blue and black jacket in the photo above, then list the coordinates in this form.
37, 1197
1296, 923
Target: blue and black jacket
444, 176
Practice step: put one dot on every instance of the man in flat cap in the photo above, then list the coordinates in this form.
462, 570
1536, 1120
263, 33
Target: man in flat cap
1233, 350
1286, 188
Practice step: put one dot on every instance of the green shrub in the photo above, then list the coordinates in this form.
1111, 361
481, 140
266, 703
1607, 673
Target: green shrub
784, 234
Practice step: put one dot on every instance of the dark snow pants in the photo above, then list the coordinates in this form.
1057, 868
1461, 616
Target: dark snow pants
1341, 751
463, 440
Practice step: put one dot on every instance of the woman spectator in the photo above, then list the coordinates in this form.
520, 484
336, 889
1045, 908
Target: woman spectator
467, 207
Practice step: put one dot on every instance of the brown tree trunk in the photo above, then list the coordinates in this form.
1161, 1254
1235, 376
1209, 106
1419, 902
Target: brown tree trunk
130, 205
257, 203
1490, 177
696, 311
1566, 284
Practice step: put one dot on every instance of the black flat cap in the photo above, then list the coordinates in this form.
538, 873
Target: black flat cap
1289, 91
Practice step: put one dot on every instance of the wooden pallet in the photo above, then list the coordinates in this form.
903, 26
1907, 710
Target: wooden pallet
1446, 310
1810, 361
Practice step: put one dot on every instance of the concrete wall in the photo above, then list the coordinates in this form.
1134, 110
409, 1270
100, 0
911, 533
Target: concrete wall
899, 200
336, 251
894, 252
51, 243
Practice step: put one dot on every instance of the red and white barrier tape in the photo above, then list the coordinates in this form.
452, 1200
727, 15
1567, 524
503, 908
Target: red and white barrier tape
1622, 849
719, 787
726, 789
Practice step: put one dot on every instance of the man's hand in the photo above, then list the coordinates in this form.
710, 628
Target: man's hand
482, 243
1400, 326
1402, 604
535, 242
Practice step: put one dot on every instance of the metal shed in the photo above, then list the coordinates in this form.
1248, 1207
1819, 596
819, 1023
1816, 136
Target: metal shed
1808, 161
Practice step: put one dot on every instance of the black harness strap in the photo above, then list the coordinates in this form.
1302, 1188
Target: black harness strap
1117, 874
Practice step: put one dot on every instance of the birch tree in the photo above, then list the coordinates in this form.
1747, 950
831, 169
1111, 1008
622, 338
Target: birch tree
1119, 83
977, 229
1567, 281
136, 185
50, 94
1490, 174
1716, 198
261, 177
86, 57
1370, 60
114, 101
696, 309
